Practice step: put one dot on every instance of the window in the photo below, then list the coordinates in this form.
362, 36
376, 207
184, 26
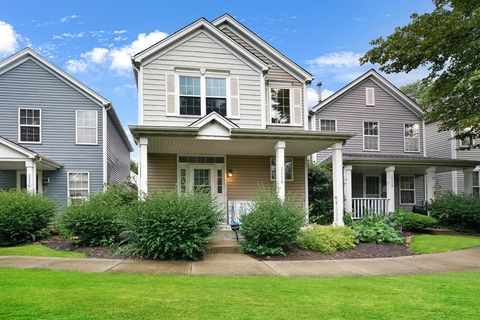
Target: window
87, 132
190, 98
407, 189
29, 125
183, 180
216, 95
372, 186
288, 169
371, 136
219, 181
412, 137
78, 187
370, 96
328, 125
476, 183
280, 105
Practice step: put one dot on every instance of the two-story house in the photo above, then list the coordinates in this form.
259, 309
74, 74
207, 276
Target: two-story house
442, 144
386, 164
219, 108
57, 136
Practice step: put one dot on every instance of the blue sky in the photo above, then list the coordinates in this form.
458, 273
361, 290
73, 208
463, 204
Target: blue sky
92, 40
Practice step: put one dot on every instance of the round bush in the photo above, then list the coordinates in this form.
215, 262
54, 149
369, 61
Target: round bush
272, 225
95, 222
376, 230
24, 217
326, 239
417, 222
169, 226
457, 211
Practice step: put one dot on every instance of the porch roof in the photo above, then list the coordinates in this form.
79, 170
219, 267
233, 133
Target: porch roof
13, 156
234, 141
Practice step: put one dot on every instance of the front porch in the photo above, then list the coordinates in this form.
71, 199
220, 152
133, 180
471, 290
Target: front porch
381, 184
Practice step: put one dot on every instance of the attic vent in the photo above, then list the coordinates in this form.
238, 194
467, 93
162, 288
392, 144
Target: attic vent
370, 96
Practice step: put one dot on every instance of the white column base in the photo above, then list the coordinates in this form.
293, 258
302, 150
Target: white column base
337, 166
280, 169
31, 175
390, 181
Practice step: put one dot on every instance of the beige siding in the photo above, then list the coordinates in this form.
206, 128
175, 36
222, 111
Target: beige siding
251, 173
200, 51
275, 73
162, 171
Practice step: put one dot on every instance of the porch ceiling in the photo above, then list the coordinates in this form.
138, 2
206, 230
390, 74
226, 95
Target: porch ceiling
237, 142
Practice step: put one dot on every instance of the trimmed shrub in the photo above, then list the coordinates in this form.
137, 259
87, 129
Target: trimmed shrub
169, 226
96, 222
457, 211
326, 239
24, 217
417, 222
272, 225
376, 230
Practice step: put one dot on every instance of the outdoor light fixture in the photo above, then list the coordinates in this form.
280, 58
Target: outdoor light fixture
230, 174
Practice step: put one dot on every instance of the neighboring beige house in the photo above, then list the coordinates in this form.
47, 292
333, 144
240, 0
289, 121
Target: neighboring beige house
220, 108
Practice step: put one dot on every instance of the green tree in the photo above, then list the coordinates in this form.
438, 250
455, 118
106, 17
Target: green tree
418, 91
447, 41
133, 166
320, 191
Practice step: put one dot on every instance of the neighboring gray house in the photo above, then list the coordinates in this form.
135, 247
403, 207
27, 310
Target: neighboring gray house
386, 164
57, 136
442, 144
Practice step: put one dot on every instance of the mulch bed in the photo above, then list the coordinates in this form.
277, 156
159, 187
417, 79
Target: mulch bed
64, 244
362, 250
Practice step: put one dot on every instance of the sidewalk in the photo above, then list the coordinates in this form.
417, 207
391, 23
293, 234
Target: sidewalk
240, 264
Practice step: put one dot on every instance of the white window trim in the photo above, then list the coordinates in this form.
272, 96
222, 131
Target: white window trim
286, 158
405, 138
68, 184
379, 184
96, 128
363, 135
203, 91
373, 96
320, 124
213, 166
29, 125
461, 145
400, 190
290, 93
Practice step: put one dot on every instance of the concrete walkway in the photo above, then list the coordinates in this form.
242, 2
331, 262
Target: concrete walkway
240, 264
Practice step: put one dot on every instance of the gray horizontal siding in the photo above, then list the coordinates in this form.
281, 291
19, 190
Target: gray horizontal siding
30, 85
350, 111
118, 155
8, 179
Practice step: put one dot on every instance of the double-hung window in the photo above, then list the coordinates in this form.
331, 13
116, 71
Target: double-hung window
29, 125
216, 95
78, 187
411, 137
280, 106
328, 125
190, 96
87, 127
476, 183
371, 136
407, 189
288, 169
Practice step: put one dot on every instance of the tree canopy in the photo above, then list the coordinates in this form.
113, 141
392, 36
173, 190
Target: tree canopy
447, 42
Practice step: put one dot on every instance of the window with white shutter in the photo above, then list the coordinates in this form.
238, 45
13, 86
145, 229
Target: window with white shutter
370, 96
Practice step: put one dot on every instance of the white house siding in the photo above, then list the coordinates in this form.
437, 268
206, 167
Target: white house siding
199, 51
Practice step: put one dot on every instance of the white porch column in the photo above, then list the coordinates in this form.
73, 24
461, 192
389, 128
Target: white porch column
337, 166
468, 181
430, 184
280, 168
390, 181
31, 175
143, 167
347, 187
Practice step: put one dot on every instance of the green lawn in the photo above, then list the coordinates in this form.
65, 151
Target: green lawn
44, 294
439, 243
38, 250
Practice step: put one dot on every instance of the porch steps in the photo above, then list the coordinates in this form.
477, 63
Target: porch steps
223, 241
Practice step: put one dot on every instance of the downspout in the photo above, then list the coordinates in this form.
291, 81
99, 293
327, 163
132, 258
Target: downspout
107, 107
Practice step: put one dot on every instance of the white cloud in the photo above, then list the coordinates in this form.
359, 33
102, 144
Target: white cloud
68, 35
76, 66
312, 96
336, 59
119, 31
8, 38
118, 58
68, 18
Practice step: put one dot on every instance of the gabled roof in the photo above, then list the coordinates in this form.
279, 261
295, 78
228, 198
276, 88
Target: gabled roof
28, 153
213, 116
200, 24
264, 46
382, 82
29, 54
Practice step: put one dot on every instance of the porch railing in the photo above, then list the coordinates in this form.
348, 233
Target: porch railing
238, 208
368, 207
